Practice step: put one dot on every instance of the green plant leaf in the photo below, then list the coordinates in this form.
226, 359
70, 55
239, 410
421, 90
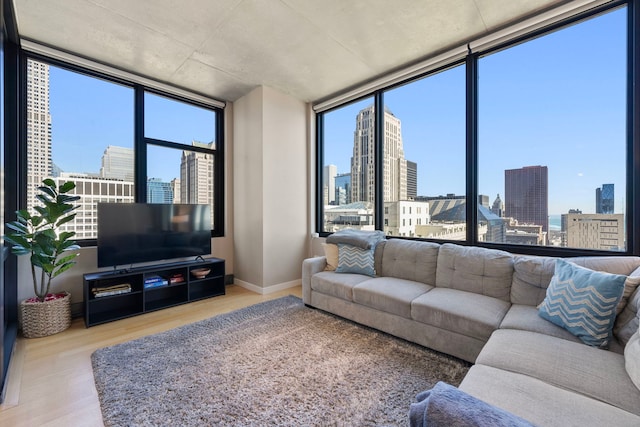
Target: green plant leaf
66, 235
46, 190
49, 182
63, 268
18, 240
38, 236
41, 210
65, 259
23, 214
67, 186
65, 220
45, 198
19, 227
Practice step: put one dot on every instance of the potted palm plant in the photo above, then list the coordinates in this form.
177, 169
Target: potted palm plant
38, 235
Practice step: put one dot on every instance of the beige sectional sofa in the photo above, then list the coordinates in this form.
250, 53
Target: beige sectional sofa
480, 305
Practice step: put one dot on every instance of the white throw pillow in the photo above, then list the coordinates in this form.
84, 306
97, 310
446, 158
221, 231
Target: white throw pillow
331, 253
632, 358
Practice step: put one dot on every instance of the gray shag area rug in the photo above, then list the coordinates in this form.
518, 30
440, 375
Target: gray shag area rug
277, 363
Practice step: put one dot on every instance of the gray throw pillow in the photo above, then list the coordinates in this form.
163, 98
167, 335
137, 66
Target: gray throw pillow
632, 358
627, 322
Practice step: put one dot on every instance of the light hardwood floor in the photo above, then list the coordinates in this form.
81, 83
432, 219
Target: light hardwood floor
50, 379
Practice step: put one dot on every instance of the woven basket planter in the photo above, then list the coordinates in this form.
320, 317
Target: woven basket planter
41, 319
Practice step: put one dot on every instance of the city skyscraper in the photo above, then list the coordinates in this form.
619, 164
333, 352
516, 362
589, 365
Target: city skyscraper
329, 177
412, 180
605, 199
159, 191
39, 163
526, 195
196, 176
175, 190
498, 207
117, 163
362, 161
343, 189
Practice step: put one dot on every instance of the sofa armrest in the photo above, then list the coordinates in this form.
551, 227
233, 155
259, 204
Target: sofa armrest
311, 266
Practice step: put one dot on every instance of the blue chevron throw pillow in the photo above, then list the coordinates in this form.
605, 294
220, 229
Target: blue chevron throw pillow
352, 259
583, 302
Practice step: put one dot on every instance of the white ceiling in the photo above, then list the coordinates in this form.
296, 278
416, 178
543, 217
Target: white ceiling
309, 49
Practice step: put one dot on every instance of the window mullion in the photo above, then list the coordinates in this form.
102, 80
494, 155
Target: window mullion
472, 147
140, 147
379, 161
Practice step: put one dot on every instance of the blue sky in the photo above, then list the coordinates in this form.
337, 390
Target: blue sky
88, 114
557, 101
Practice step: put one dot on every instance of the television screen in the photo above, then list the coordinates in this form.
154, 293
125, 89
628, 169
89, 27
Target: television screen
130, 233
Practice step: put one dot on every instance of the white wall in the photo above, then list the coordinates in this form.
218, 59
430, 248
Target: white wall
271, 189
285, 184
247, 178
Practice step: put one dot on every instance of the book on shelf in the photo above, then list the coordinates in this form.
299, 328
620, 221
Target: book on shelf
105, 291
155, 282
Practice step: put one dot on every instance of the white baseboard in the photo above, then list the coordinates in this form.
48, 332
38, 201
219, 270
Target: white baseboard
269, 289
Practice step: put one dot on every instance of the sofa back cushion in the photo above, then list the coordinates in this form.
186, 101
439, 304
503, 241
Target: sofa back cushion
632, 358
473, 269
409, 260
531, 278
532, 274
628, 321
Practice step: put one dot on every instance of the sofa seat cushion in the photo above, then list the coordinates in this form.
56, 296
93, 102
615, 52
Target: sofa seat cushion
526, 318
587, 370
338, 285
389, 294
540, 402
466, 313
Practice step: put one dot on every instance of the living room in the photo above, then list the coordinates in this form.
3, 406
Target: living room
267, 111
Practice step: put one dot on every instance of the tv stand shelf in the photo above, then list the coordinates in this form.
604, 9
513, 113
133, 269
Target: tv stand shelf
134, 291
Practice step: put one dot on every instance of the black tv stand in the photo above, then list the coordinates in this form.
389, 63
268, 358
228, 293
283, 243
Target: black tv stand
137, 298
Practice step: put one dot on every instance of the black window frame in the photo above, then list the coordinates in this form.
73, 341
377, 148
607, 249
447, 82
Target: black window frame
140, 142
632, 214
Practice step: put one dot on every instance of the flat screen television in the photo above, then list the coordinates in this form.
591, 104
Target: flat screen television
131, 233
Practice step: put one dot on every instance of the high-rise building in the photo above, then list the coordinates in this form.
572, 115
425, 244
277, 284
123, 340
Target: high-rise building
526, 195
175, 190
159, 191
605, 199
329, 177
39, 163
196, 176
343, 189
117, 163
363, 161
498, 207
92, 190
593, 231
412, 180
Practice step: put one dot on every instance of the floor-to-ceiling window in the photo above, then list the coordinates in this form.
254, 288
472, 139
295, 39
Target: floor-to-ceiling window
552, 141
81, 126
424, 157
348, 175
80, 129
525, 147
9, 112
183, 152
